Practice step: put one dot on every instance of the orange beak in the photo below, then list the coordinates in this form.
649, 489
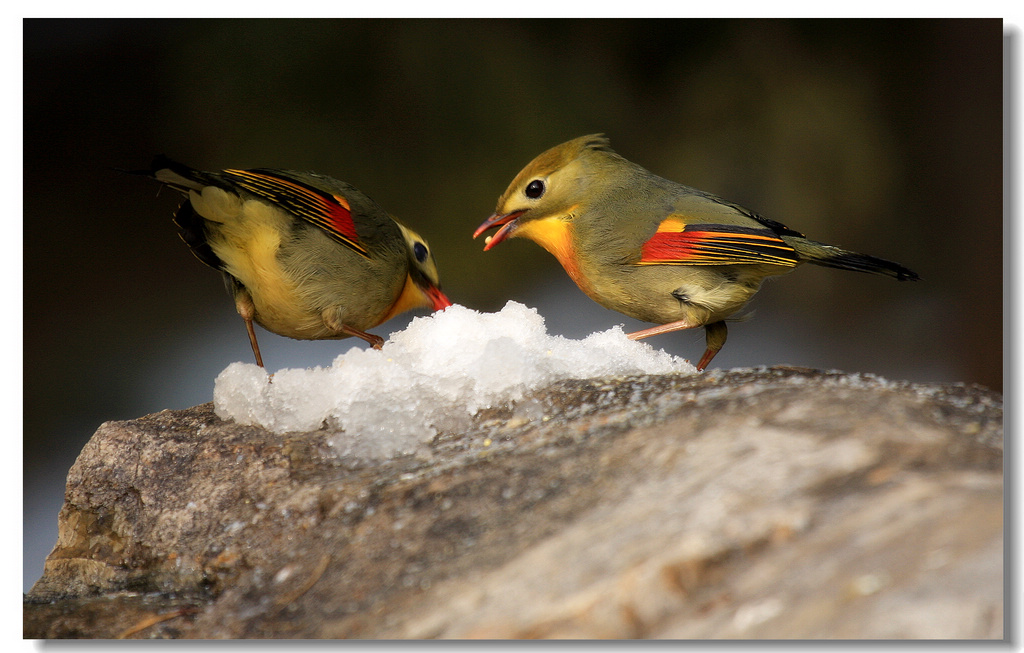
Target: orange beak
507, 223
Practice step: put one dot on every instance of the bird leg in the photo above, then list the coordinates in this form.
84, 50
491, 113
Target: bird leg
375, 341
245, 308
662, 328
336, 325
715, 335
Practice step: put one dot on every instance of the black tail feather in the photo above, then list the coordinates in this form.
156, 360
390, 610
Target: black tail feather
841, 259
864, 263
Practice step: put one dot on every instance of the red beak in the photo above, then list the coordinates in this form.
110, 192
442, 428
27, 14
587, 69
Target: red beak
438, 299
507, 223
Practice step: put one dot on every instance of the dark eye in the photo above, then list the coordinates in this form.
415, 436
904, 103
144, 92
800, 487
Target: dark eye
419, 250
535, 189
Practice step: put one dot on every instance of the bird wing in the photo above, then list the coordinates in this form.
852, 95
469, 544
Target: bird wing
678, 243
325, 210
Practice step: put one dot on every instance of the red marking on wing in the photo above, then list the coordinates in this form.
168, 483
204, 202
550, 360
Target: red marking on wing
716, 245
325, 210
339, 219
668, 246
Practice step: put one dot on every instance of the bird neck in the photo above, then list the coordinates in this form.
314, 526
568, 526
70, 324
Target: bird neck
555, 234
412, 296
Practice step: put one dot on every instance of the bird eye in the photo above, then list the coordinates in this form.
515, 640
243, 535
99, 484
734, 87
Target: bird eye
535, 189
419, 250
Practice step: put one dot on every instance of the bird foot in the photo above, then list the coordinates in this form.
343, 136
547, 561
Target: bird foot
375, 341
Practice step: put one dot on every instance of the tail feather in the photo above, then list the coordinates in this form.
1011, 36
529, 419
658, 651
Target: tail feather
173, 174
834, 257
192, 227
176, 175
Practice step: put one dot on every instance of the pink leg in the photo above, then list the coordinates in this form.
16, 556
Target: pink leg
716, 335
664, 328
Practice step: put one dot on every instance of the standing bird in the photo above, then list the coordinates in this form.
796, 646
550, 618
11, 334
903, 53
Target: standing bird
304, 255
650, 248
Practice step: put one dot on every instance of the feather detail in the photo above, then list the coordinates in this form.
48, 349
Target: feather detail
331, 213
678, 243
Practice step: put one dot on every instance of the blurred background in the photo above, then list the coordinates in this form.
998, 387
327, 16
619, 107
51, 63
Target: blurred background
882, 136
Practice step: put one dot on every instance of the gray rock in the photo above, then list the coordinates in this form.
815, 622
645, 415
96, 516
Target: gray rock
768, 503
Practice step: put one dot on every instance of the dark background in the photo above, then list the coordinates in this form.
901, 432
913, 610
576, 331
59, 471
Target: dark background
883, 136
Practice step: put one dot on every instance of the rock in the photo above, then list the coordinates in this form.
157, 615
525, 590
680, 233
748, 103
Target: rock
769, 503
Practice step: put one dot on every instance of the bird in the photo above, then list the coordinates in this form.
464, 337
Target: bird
304, 255
654, 249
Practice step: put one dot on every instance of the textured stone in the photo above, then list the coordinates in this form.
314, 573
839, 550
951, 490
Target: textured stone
769, 503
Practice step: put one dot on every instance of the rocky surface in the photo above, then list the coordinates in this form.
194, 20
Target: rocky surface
768, 503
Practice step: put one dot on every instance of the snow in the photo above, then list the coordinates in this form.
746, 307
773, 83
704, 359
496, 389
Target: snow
435, 374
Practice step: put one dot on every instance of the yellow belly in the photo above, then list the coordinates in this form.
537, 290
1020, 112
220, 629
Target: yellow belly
246, 236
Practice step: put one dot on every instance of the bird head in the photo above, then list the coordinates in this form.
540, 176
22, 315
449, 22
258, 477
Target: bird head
422, 287
545, 197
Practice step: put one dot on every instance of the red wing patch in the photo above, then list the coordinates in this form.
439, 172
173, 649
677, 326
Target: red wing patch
331, 213
676, 243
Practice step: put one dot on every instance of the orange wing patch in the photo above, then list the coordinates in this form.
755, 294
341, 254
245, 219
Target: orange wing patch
677, 243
